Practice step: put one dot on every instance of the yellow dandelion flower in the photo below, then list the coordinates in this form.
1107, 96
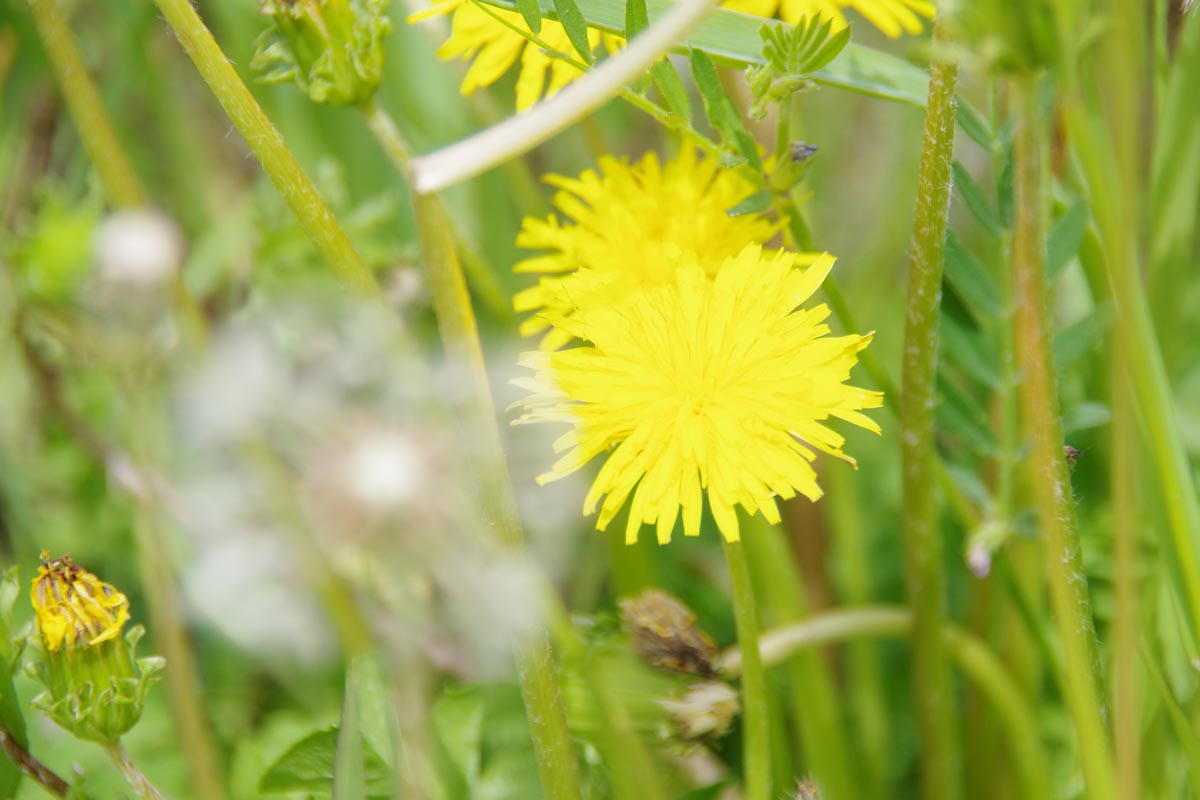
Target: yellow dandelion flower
493, 47
719, 386
626, 228
74, 607
892, 17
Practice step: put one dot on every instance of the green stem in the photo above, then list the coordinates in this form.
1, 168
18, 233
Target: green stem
1049, 475
267, 145
476, 267
814, 691
137, 780
972, 656
756, 760
933, 688
91, 121
1125, 681
460, 337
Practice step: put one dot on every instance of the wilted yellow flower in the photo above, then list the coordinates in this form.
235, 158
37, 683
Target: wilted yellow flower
892, 17
74, 607
627, 227
493, 47
720, 385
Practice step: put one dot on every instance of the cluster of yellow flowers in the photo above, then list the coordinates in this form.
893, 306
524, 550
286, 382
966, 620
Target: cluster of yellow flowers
493, 39
694, 366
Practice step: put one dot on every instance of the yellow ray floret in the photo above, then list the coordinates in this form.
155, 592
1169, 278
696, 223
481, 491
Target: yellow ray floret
488, 40
622, 228
716, 385
74, 607
892, 17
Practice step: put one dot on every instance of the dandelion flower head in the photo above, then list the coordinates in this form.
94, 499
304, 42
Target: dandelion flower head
74, 607
624, 227
892, 17
721, 386
491, 39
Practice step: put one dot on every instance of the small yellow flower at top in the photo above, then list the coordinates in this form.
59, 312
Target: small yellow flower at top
892, 17
626, 226
493, 39
73, 607
717, 384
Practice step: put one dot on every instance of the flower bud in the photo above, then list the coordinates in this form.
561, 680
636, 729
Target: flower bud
663, 632
94, 686
332, 49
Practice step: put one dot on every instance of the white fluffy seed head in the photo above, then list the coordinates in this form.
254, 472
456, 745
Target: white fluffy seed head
141, 248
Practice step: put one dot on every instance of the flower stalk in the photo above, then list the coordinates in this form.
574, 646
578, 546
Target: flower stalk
95, 127
268, 147
1081, 681
137, 780
756, 757
460, 337
28, 764
934, 695
972, 656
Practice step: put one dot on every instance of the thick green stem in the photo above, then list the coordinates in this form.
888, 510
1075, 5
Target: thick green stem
972, 656
1049, 475
933, 688
460, 337
91, 121
267, 145
137, 780
756, 759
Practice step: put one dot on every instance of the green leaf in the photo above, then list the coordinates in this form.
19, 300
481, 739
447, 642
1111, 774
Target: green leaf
1077, 339
971, 281
720, 109
962, 417
532, 13
1180, 722
972, 123
576, 27
754, 204
458, 720
308, 766
976, 200
970, 351
1065, 237
637, 19
671, 86
732, 38
1085, 416
10, 706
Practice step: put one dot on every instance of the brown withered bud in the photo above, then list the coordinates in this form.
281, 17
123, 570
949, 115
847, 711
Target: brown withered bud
663, 632
806, 790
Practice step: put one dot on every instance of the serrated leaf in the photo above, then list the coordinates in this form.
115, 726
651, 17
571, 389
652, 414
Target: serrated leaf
573, 22
754, 204
976, 200
1077, 339
531, 12
971, 281
1065, 237
308, 766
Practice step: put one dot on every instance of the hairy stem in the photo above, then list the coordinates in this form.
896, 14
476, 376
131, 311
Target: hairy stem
137, 780
756, 759
267, 145
1051, 481
933, 688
